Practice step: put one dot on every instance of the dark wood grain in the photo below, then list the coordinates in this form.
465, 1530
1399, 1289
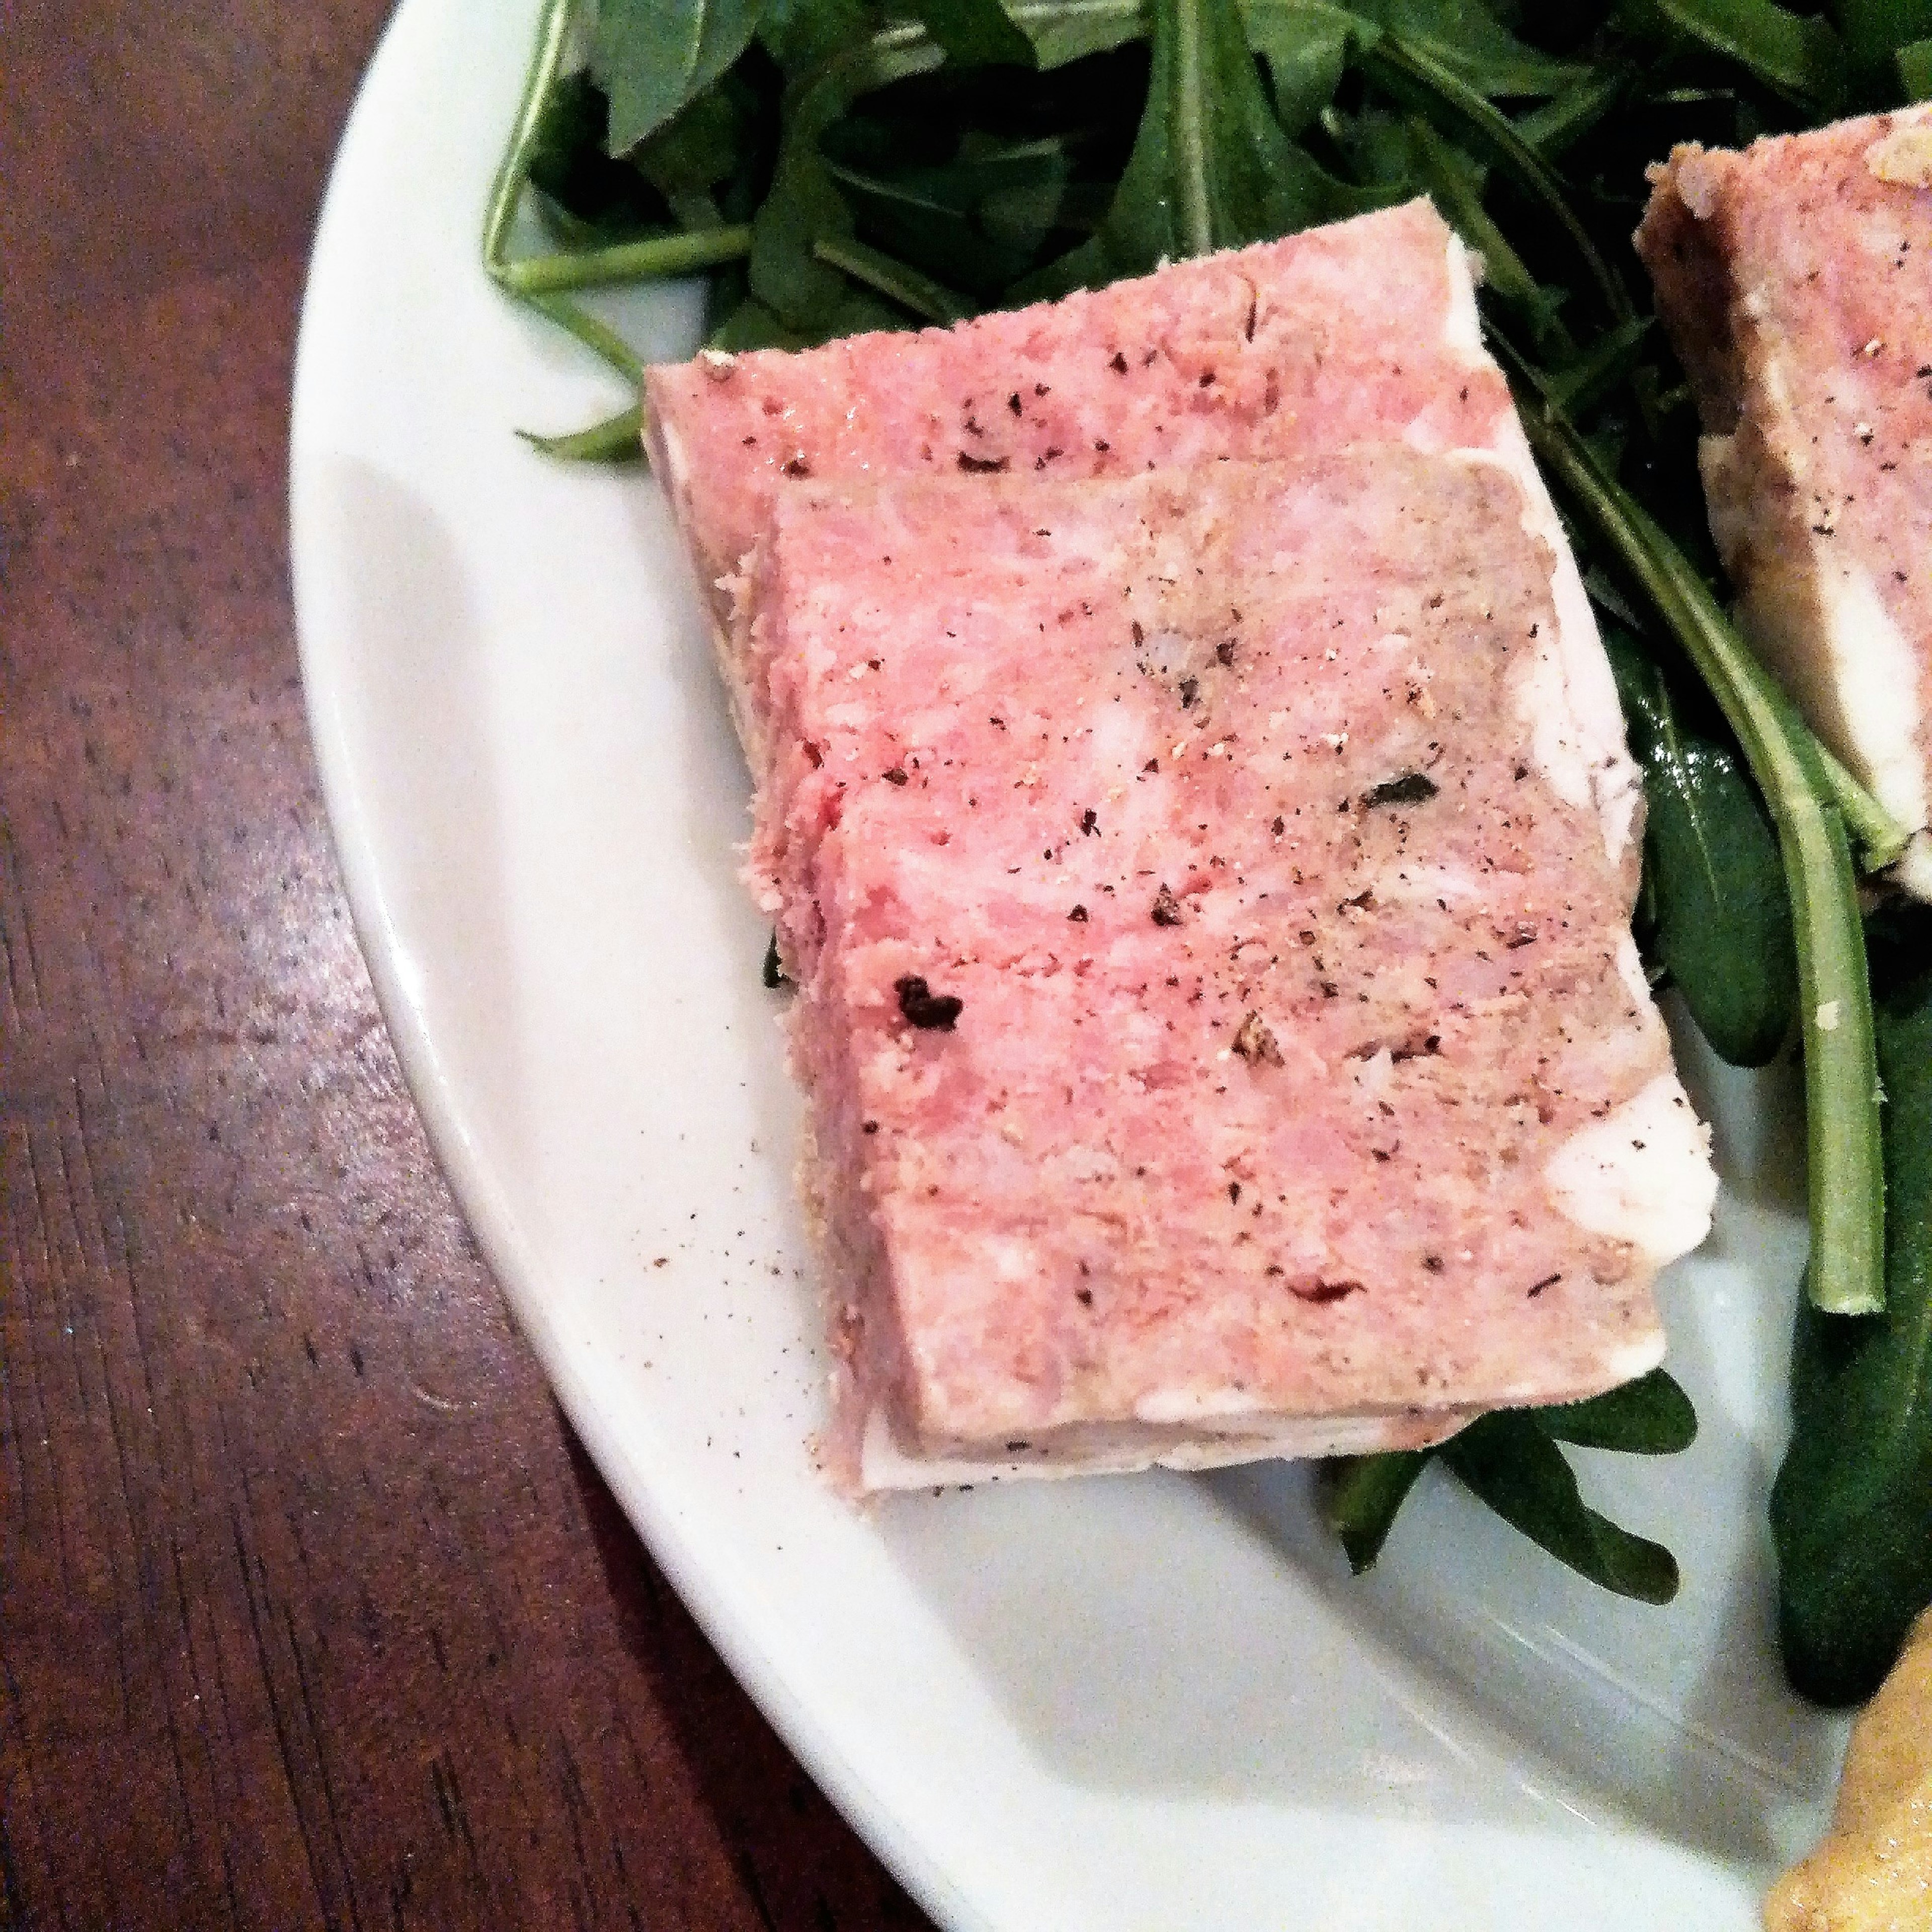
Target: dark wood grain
312, 1613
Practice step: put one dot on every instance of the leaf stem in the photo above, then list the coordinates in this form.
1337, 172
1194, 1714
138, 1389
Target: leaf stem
1419, 79
552, 34
657, 259
595, 335
617, 439
1882, 840
1196, 211
930, 301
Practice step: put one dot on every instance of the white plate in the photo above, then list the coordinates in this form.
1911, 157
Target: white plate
1154, 1702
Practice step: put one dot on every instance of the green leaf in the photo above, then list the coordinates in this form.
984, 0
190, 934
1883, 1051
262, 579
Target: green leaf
1455, 185
1724, 918
701, 144
651, 56
1914, 62
1364, 1495
1210, 167
1305, 47
1467, 39
802, 35
1876, 31
1796, 55
589, 197
1063, 31
1413, 74
1562, 122
980, 222
1851, 1511
805, 207
974, 33
1650, 1417
617, 439
919, 294
1514, 1467
1579, 386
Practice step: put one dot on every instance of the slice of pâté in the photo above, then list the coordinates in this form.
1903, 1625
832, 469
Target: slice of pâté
1222, 1030
1795, 281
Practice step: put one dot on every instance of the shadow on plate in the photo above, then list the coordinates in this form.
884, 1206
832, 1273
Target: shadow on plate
1468, 1677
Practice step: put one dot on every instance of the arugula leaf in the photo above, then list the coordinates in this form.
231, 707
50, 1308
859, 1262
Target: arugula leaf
803, 34
1365, 1493
1510, 1461
1651, 1416
805, 207
701, 145
1455, 183
1413, 74
1724, 920
1876, 31
1797, 55
980, 222
1467, 38
974, 33
1305, 47
1562, 122
1211, 167
1520, 1472
1061, 31
1851, 1512
587, 196
617, 439
651, 56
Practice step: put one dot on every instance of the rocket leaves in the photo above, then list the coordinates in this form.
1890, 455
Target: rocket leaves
1511, 1461
1210, 167
650, 59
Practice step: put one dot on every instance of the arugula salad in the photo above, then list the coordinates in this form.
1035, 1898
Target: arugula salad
840, 165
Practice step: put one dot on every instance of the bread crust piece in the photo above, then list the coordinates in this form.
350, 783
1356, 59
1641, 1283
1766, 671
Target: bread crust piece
1375, 1129
1795, 280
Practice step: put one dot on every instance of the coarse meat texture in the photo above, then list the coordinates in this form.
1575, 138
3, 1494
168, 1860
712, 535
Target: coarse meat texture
1366, 328
1794, 279
1218, 1014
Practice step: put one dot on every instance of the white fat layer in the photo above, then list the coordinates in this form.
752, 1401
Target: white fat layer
1821, 624
1914, 871
1630, 970
1463, 326
1903, 157
1123, 1448
1642, 1175
1877, 682
1567, 695
676, 475
1206, 1403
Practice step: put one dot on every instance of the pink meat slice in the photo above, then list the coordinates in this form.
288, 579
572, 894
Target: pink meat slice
1796, 280
1362, 329
1219, 1021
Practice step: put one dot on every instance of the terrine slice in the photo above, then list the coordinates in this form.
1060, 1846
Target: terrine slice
1366, 328
1222, 1030
1795, 281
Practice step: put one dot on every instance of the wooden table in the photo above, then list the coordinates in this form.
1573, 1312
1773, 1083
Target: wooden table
286, 1639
